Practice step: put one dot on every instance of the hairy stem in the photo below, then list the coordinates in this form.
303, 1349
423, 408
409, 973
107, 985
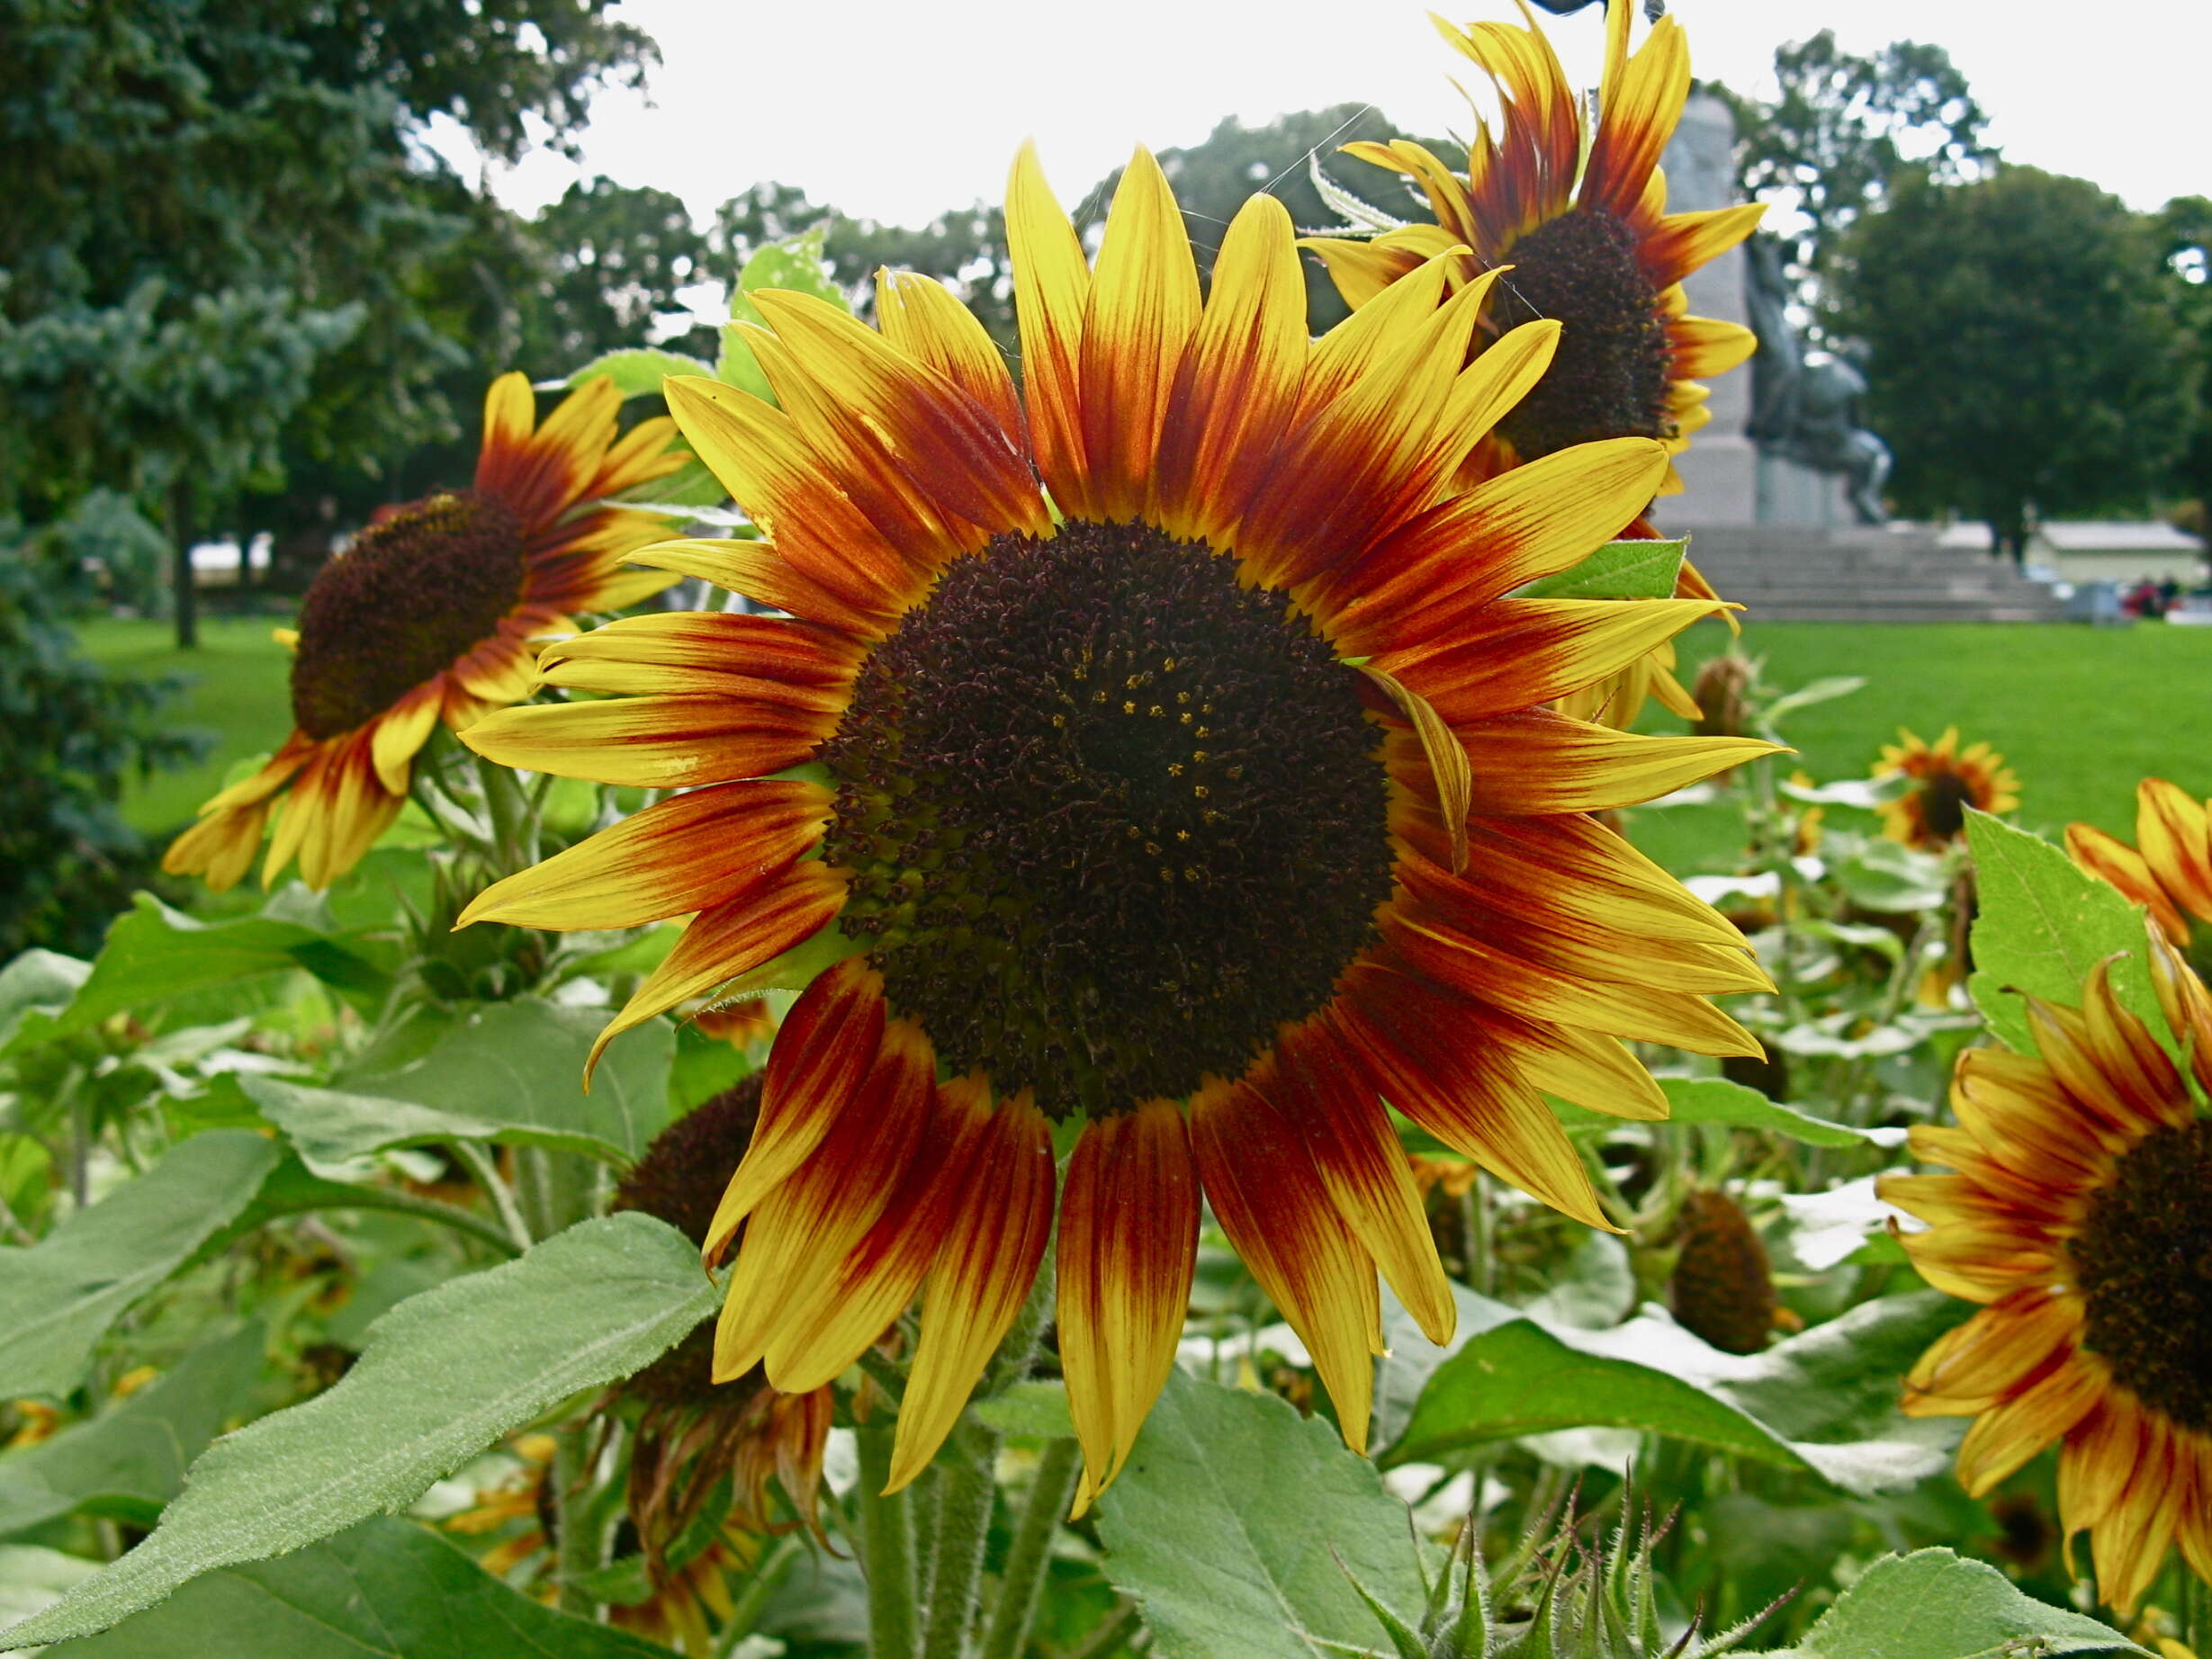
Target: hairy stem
1031, 1553
887, 1548
963, 1524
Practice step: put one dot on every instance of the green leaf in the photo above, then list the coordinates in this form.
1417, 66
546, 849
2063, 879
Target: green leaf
385, 1590
795, 264
1635, 570
1825, 1400
509, 1072
736, 365
155, 955
1932, 1605
58, 1296
1824, 690
1235, 1523
639, 370
445, 1375
2044, 923
129, 1462
1034, 1410
32, 1578
1716, 1100
35, 987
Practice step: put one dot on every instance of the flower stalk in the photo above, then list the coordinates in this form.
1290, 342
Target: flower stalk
1030, 1556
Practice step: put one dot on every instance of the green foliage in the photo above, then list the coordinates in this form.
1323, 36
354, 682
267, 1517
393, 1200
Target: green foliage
59, 1296
1236, 1524
1716, 1100
2020, 345
2044, 924
443, 1376
384, 1588
70, 738
1932, 1605
1633, 570
1842, 129
509, 1073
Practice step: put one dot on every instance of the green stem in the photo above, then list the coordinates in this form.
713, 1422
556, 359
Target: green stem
887, 1547
480, 1165
747, 1606
1024, 1582
576, 1544
1107, 1634
513, 827
2195, 1614
1481, 1269
963, 1524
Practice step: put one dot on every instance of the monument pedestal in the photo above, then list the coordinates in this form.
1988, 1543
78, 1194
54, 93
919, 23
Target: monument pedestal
1720, 484
1792, 493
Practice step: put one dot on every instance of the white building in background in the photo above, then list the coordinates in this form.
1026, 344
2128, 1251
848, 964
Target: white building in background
2119, 551
217, 564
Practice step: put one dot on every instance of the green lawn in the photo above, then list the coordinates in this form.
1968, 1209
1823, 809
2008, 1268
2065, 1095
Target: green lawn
236, 688
2082, 714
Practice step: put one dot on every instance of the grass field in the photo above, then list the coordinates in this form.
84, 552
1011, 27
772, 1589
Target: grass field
2082, 713
234, 689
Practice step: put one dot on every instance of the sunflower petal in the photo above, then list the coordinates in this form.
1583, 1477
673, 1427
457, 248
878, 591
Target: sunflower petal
920, 316
1536, 762
1052, 288
653, 742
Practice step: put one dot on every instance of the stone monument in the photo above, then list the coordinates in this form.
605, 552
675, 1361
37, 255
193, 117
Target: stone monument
1784, 447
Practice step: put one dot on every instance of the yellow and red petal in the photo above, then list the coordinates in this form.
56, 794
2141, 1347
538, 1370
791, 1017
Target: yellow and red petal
993, 1246
1512, 653
1052, 288
2174, 832
920, 317
1639, 103
1682, 243
1535, 762
1705, 346
2008, 1435
1973, 1366
757, 570
827, 1045
1276, 1210
689, 853
1128, 1246
219, 847
653, 742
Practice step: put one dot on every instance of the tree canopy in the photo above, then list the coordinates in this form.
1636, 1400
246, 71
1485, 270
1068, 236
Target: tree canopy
2022, 344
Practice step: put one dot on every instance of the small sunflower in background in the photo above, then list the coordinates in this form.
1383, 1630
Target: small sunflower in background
2080, 1218
1191, 819
1578, 212
1943, 781
2168, 868
430, 615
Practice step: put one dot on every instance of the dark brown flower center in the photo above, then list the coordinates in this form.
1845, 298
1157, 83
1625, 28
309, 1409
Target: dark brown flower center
2144, 1261
681, 1179
1112, 816
412, 595
1722, 1286
1944, 800
1609, 377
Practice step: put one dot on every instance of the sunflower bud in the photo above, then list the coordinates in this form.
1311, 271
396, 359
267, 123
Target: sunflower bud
1722, 1288
1721, 691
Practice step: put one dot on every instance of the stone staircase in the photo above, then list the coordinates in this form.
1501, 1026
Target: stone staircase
1806, 573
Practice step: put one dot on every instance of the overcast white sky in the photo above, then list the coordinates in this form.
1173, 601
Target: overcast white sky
896, 111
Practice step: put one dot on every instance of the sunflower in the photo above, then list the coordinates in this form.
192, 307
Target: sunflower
2079, 1218
1579, 217
2170, 868
1153, 756
1944, 781
429, 616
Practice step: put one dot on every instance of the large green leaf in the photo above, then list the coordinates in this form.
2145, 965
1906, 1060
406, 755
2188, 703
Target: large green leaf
129, 1462
1235, 1523
2044, 923
384, 1590
1932, 1605
1716, 1100
1825, 1400
58, 1296
512, 1071
1636, 569
445, 1375
34, 989
639, 370
153, 955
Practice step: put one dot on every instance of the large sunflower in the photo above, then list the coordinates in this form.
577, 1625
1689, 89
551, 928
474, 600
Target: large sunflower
429, 616
1207, 813
1580, 218
1942, 781
2078, 1217
2170, 868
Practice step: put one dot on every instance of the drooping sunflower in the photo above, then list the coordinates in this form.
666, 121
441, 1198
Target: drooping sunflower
1945, 781
1578, 213
431, 615
1205, 813
2081, 1217
2169, 869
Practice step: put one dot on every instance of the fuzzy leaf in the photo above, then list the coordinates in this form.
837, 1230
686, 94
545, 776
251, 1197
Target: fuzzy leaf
2044, 924
445, 1375
1634, 569
1236, 1524
60, 1296
384, 1590
638, 371
1716, 1100
509, 1072
1932, 1605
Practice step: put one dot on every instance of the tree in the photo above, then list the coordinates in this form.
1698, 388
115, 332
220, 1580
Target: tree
1841, 132
2021, 347
619, 254
2185, 237
218, 223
